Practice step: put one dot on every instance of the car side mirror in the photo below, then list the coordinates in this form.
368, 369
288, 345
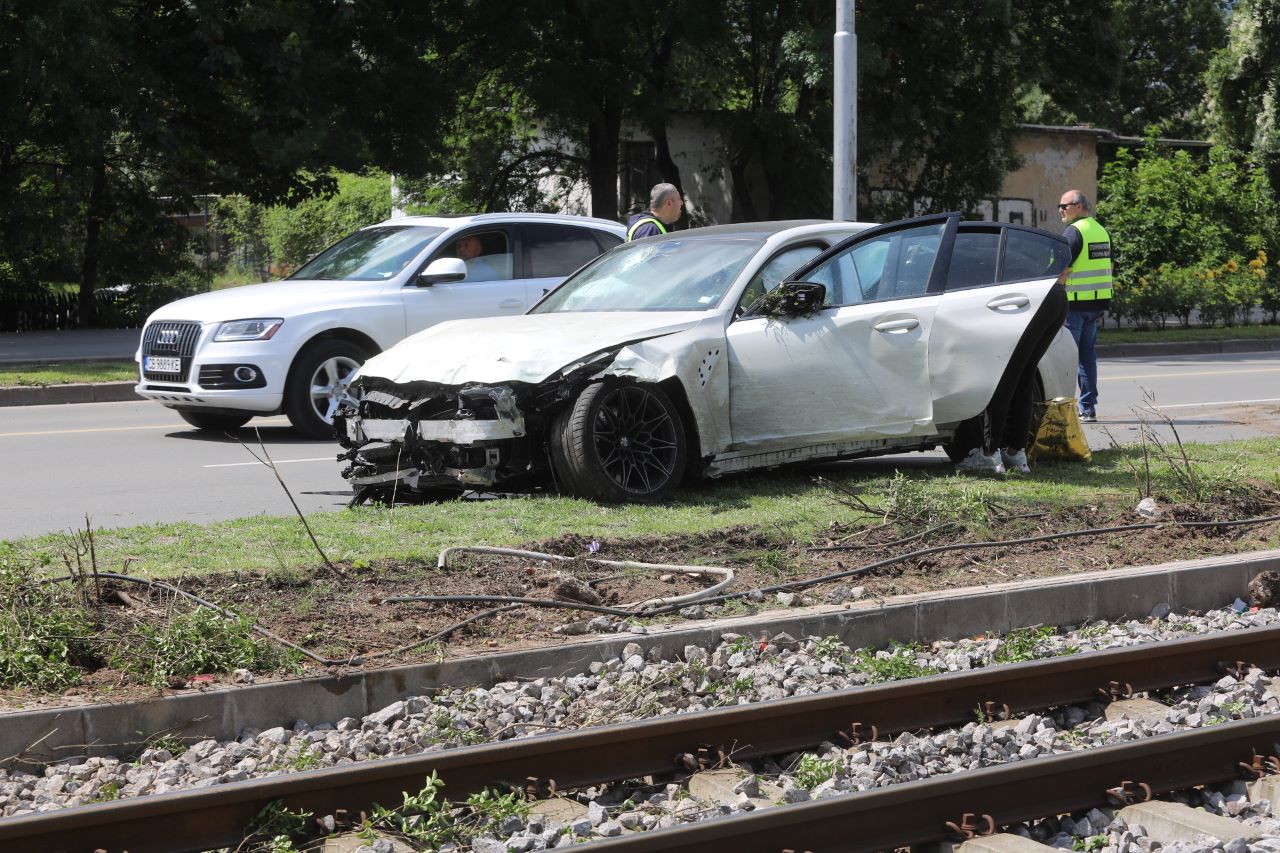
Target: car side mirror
441, 271
791, 299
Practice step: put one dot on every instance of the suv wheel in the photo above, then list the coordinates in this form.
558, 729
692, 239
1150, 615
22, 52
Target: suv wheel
317, 385
214, 421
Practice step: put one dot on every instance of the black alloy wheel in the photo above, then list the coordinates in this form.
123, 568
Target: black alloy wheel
620, 442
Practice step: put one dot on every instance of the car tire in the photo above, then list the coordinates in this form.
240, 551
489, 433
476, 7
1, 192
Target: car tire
213, 421
969, 433
619, 442
317, 385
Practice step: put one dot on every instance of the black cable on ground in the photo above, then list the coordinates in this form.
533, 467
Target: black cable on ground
511, 599
862, 546
512, 603
355, 660
795, 586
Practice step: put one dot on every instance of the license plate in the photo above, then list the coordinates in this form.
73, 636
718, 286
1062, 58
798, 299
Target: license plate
161, 364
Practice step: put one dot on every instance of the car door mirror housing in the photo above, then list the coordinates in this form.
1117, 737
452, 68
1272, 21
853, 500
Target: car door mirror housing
791, 299
442, 270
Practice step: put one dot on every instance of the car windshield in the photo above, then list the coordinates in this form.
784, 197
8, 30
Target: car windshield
668, 275
372, 254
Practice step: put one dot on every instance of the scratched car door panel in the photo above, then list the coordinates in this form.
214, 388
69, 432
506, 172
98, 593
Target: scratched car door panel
998, 278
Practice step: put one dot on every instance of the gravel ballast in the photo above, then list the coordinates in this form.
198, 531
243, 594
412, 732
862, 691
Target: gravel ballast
740, 670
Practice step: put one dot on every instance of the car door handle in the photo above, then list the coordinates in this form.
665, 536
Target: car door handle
510, 303
1009, 302
899, 326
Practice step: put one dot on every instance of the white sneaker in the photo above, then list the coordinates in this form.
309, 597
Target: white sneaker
979, 462
1015, 461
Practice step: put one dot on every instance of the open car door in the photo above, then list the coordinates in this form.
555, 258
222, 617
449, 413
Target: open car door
996, 279
857, 366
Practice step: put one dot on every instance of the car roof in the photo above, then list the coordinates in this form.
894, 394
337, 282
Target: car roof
453, 220
761, 231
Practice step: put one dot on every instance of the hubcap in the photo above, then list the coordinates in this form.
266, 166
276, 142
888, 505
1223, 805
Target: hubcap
636, 440
329, 386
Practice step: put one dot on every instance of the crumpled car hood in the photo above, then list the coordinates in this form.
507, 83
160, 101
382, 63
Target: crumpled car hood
528, 348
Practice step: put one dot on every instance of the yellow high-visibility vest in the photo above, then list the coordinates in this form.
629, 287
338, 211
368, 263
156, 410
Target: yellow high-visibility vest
1090, 276
655, 220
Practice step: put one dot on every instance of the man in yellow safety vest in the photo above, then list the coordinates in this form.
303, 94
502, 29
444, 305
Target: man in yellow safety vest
664, 209
1089, 282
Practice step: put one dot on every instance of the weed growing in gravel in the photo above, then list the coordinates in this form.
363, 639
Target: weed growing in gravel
196, 642
433, 820
306, 759
108, 792
1023, 644
275, 828
44, 634
831, 649
812, 771
1088, 845
893, 664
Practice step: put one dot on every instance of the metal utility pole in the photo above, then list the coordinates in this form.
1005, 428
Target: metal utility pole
844, 151
397, 202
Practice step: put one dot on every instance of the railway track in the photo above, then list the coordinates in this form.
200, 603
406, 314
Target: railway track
904, 814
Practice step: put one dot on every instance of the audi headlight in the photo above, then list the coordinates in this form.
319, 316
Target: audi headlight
248, 330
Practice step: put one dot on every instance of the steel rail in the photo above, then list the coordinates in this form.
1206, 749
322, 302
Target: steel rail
217, 816
915, 813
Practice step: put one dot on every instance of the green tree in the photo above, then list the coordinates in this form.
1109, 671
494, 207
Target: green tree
936, 102
1244, 84
1166, 209
1167, 48
106, 102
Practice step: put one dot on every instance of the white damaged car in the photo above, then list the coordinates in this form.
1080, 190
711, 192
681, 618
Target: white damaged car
705, 352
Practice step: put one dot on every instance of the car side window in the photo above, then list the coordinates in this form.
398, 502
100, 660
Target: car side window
896, 265
554, 251
973, 260
1029, 255
486, 253
775, 271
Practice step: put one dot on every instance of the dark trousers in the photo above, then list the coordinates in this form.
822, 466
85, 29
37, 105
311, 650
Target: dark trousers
1008, 417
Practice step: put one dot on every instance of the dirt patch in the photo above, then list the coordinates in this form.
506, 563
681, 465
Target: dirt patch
346, 615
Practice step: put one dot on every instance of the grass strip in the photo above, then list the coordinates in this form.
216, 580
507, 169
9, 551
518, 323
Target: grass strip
1193, 334
66, 373
787, 506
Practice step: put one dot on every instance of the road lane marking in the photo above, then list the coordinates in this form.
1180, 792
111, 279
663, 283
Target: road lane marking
87, 429
276, 461
1219, 403
174, 427
1191, 373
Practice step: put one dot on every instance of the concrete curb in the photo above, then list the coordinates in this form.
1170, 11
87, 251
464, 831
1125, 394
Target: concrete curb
1186, 348
87, 392
29, 738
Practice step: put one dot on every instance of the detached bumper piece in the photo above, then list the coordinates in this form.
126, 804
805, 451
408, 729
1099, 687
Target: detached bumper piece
421, 441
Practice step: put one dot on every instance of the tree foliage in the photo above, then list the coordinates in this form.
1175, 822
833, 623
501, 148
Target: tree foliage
1166, 209
108, 104
1244, 84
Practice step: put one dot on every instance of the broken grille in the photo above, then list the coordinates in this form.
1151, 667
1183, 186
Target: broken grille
170, 339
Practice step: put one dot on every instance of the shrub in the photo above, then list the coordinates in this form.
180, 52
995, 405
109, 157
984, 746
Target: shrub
196, 642
44, 634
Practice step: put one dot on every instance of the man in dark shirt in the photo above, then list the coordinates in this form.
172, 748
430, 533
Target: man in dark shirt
664, 209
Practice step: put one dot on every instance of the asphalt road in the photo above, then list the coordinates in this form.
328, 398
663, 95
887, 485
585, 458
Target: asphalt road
136, 463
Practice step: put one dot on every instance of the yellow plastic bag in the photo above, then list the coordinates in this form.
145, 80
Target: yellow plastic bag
1060, 435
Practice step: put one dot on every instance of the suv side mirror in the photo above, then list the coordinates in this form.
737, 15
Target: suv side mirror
791, 299
442, 270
